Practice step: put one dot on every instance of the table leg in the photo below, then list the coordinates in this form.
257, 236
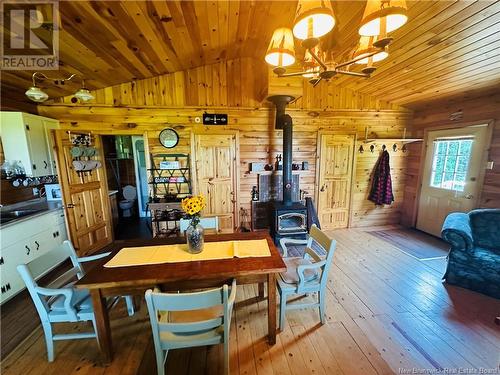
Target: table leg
261, 290
271, 308
102, 327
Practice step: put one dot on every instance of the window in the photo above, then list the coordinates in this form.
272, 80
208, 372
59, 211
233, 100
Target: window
450, 163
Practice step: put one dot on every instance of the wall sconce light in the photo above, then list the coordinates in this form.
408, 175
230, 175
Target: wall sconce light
36, 94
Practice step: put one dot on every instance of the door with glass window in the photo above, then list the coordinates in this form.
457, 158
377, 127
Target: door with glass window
452, 176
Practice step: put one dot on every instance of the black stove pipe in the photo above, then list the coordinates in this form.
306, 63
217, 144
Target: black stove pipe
284, 121
287, 124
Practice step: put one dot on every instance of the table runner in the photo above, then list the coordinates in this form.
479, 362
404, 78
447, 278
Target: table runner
147, 255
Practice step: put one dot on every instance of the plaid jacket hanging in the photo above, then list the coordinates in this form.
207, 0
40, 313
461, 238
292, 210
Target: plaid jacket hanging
381, 192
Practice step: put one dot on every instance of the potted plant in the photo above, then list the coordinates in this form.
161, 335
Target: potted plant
193, 206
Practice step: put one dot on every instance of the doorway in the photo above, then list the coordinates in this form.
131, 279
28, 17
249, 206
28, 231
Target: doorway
336, 153
453, 174
216, 175
127, 185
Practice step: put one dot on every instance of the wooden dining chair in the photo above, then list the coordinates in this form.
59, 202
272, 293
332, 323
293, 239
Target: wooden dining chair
77, 264
205, 222
307, 274
59, 301
182, 320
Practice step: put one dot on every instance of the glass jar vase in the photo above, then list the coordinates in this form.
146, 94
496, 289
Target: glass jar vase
194, 238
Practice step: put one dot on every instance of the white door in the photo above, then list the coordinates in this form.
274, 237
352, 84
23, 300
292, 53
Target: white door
453, 173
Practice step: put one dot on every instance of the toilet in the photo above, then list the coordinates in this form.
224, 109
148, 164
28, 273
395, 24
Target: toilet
127, 204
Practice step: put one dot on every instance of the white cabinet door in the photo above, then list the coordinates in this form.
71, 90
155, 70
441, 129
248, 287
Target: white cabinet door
48, 126
11, 283
26, 241
14, 139
37, 143
24, 138
40, 245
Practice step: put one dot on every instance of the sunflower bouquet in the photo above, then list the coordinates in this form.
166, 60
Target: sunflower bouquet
193, 206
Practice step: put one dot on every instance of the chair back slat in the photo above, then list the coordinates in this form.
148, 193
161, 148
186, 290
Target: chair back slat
205, 222
313, 254
321, 238
64, 279
328, 246
186, 327
187, 301
160, 304
41, 304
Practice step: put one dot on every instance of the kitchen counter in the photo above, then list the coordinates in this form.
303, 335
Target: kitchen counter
41, 205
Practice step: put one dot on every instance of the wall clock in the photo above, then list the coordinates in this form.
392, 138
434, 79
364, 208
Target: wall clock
169, 138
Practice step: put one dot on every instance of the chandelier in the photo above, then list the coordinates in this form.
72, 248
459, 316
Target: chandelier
315, 19
36, 94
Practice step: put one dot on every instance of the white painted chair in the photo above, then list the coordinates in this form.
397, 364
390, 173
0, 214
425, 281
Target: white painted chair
182, 320
308, 274
205, 222
59, 301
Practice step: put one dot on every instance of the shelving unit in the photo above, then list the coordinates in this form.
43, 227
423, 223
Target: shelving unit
165, 180
167, 192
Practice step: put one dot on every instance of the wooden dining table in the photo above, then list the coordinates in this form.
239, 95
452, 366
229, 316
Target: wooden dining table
106, 282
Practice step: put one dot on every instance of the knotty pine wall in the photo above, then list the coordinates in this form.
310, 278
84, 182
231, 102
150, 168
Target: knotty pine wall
478, 111
239, 87
243, 82
259, 142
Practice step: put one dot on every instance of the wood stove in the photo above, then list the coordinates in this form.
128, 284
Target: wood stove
289, 219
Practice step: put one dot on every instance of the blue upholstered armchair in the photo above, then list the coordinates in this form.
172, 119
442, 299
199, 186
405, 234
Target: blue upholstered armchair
474, 258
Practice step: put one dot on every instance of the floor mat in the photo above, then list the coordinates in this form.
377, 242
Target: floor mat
414, 243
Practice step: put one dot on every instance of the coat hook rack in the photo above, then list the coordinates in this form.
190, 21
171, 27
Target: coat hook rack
361, 149
383, 147
372, 148
404, 149
395, 147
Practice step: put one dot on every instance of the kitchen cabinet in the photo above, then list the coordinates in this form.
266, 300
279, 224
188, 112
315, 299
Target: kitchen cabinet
27, 138
26, 241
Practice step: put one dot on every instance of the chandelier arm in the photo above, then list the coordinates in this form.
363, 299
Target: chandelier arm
292, 74
352, 61
318, 60
71, 77
38, 75
41, 76
355, 74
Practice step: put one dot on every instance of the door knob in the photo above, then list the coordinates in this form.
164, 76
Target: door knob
323, 188
468, 196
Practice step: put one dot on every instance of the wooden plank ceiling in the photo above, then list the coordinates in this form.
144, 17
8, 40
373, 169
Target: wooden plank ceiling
448, 48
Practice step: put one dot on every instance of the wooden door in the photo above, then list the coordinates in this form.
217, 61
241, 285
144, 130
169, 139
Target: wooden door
335, 174
216, 177
452, 175
85, 197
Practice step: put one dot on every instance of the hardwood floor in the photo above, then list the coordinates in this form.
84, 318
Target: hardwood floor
387, 313
414, 242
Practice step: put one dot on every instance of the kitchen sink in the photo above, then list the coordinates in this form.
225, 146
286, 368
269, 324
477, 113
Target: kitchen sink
20, 213
11, 215
4, 219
